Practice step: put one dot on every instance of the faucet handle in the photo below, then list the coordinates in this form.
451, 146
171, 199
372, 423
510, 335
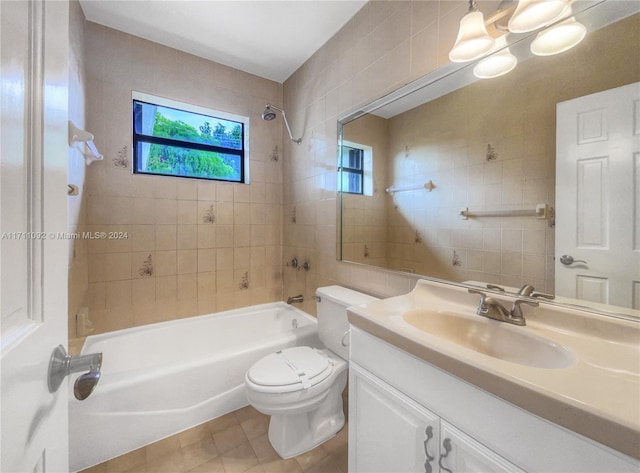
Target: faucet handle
495, 287
483, 298
483, 295
516, 310
540, 295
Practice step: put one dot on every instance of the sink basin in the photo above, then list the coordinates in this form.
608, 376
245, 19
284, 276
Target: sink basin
489, 337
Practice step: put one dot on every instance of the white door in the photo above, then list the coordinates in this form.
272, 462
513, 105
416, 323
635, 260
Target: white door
598, 197
388, 432
33, 257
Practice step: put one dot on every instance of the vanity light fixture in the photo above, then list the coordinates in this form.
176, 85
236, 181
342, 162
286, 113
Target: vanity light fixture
473, 39
498, 64
533, 14
526, 15
558, 38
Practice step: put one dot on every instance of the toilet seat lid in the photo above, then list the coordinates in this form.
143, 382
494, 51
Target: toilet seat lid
305, 366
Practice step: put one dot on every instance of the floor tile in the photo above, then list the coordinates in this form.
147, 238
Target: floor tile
239, 459
263, 449
255, 426
199, 452
234, 443
222, 423
172, 462
326, 465
162, 447
307, 460
196, 434
282, 466
229, 438
212, 466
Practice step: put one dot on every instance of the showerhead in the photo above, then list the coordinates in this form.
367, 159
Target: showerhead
268, 114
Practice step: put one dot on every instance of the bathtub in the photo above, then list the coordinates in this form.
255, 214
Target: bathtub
160, 379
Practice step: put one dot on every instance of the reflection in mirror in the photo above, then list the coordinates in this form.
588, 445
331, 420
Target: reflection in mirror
498, 213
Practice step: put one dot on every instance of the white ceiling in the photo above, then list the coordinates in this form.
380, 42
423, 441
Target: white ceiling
269, 38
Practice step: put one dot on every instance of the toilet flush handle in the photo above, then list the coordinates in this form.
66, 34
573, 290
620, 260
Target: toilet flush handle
343, 342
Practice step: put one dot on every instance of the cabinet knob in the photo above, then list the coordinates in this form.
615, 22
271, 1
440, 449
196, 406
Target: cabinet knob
427, 464
446, 444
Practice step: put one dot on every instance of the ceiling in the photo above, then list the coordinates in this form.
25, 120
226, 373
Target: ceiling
269, 38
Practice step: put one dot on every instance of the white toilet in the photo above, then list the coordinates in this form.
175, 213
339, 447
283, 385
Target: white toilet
301, 387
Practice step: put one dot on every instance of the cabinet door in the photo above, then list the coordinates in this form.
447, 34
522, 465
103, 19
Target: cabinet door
460, 453
388, 432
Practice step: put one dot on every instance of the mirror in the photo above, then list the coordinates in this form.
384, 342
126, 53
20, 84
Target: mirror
454, 178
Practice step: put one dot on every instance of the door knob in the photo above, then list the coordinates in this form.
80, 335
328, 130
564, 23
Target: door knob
62, 364
567, 260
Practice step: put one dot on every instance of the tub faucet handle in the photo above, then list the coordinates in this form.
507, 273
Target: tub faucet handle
295, 299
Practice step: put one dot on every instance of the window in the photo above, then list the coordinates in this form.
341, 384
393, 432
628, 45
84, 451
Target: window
176, 139
352, 167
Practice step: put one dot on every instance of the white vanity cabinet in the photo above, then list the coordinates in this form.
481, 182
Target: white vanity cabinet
407, 415
391, 433
388, 432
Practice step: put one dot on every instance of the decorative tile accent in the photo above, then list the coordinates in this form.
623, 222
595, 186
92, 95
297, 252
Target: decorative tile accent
147, 267
274, 154
417, 238
208, 216
122, 160
492, 154
455, 260
244, 281
293, 215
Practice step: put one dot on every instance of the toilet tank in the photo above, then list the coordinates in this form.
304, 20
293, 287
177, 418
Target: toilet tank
332, 315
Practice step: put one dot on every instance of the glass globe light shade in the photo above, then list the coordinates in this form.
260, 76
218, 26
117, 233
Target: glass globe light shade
558, 38
498, 64
533, 14
473, 40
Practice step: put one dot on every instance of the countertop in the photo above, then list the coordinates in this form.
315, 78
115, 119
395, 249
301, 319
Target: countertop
598, 396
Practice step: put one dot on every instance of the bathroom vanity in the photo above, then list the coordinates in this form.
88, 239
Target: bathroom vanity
435, 387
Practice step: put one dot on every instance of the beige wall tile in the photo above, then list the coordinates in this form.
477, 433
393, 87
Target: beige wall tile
187, 261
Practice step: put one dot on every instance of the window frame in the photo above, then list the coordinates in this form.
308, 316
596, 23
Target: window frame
137, 138
350, 170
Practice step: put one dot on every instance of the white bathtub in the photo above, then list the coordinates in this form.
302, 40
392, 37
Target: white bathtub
160, 379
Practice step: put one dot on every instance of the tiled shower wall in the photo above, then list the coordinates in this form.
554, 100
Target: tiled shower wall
176, 247
78, 261
384, 46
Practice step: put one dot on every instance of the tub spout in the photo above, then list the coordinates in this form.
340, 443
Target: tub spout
295, 299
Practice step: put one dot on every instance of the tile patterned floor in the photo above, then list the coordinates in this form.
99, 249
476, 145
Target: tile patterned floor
234, 443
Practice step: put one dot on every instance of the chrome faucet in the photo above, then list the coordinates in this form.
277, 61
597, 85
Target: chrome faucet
493, 309
295, 299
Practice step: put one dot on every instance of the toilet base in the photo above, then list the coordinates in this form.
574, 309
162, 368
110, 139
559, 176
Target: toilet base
294, 434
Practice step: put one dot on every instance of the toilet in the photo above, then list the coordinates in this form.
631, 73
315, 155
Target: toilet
301, 387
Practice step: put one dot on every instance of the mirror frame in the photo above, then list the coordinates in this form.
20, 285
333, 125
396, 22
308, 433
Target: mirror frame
436, 78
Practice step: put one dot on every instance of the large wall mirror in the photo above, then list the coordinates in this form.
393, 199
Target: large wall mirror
531, 178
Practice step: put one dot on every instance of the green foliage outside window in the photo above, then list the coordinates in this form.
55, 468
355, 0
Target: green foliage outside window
164, 159
175, 142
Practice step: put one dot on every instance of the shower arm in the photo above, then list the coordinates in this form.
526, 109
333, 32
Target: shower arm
284, 116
